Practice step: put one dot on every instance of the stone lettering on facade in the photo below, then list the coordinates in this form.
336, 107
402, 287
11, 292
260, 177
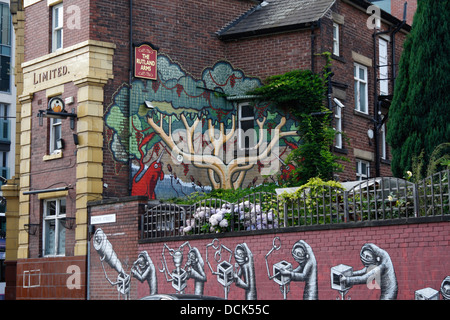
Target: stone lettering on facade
40, 77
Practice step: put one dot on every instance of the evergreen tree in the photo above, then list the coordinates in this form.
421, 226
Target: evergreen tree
419, 117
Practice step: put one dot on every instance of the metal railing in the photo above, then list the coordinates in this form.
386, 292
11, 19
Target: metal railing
377, 199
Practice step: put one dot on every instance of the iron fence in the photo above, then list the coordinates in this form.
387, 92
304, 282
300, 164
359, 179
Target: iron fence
376, 199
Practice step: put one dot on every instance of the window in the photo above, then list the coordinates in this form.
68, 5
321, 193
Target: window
383, 65
247, 135
4, 169
55, 135
362, 170
383, 142
57, 27
338, 128
336, 39
5, 124
5, 48
361, 95
2, 226
54, 233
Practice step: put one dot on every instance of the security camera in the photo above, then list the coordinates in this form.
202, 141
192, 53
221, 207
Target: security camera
149, 105
338, 103
3, 180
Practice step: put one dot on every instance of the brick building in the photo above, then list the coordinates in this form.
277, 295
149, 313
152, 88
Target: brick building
397, 8
115, 134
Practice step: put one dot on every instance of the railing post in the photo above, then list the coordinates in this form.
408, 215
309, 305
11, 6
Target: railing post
285, 217
416, 200
232, 217
142, 226
346, 213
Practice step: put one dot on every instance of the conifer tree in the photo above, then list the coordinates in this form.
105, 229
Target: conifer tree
419, 117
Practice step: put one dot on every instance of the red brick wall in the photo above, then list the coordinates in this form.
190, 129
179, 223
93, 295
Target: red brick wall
357, 37
185, 31
419, 253
188, 35
59, 278
189, 39
56, 173
397, 9
37, 34
123, 235
38, 26
270, 55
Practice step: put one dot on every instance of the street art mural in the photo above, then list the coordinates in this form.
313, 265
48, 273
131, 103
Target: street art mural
107, 254
244, 275
433, 294
144, 270
283, 272
184, 134
194, 268
378, 273
236, 271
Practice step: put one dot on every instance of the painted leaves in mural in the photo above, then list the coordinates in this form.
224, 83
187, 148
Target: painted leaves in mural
195, 122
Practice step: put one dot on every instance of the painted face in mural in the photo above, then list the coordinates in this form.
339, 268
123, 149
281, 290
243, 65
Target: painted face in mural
240, 255
192, 258
368, 258
178, 258
141, 262
445, 288
299, 253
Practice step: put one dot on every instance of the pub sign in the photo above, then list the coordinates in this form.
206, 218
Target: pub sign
145, 65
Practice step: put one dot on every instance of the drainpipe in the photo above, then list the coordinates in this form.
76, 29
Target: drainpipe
313, 38
396, 30
130, 77
88, 262
378, 122
377, 104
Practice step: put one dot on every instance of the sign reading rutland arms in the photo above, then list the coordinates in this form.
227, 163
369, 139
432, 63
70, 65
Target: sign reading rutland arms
145, 61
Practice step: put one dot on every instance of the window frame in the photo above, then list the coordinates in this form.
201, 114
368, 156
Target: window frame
57, 11
359, 174
336, 39
383, 141
338, 128
57, 217
242, 119
55, 127
358, 81
5, 123
6, 45
383, 67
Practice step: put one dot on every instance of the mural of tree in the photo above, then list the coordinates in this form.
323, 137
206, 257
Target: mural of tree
195, 122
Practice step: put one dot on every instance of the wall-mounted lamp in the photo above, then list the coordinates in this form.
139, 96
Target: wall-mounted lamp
56, 110
31, 228
149, 105
370, 134
75, 139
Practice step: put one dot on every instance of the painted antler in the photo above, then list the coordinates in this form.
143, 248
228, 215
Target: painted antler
213, 162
